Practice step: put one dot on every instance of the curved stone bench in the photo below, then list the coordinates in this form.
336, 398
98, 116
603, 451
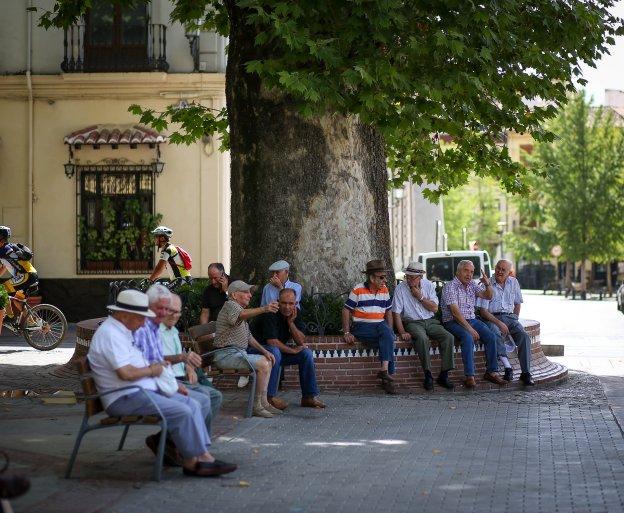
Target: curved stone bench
342, 367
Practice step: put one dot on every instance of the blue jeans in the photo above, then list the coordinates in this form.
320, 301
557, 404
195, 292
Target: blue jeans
467, 344
377, 334
307, 374
520, 338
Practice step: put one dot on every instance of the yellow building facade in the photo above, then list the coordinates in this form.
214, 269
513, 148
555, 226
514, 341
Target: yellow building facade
42, 105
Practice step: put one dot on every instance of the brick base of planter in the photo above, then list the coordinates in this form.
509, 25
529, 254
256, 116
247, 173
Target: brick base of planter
340, 367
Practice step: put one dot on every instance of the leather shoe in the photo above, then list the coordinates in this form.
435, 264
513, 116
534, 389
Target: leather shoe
389, 387
494, 378
205, 469
311, 402
278, 403
384, 376
172, 457
445, 382
525, 377
428, 383
508, 374
470, 382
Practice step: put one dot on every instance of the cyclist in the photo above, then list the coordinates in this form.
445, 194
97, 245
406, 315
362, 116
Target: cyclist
169, 254
15, 261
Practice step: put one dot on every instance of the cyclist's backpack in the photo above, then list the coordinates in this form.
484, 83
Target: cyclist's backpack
187, 261
23, 252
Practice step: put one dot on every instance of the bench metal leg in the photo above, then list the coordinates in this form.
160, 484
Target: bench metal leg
158, 464
74, 453
123, 438
252, 394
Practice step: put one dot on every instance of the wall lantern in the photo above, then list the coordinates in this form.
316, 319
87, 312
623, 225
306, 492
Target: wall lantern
70, 167
158, 166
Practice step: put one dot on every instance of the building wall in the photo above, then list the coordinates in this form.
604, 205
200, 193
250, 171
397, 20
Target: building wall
192, 193
47, 45
413, 224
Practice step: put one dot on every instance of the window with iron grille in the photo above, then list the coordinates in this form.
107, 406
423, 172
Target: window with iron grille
115, 205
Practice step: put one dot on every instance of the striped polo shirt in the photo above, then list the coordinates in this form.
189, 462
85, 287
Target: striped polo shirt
367, 306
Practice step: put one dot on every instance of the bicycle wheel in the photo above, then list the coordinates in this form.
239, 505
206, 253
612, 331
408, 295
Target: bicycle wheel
44, 327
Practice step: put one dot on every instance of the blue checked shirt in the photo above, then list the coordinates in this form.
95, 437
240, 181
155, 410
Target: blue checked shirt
147, 340
506, 297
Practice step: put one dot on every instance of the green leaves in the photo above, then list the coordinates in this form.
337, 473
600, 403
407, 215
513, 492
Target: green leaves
191, 122
409, 68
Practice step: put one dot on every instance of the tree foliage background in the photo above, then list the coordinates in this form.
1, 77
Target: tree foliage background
578, 199
475, 206
409, 68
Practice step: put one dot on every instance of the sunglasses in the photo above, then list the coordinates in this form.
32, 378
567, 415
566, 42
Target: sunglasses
381, 277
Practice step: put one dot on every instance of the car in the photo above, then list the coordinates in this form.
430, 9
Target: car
619, 295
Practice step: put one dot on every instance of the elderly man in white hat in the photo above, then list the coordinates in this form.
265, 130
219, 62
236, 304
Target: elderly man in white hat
117, 363
233, 333
414, 306
279, 280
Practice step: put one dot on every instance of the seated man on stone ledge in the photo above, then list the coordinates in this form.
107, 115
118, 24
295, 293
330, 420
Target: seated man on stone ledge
501, 315
414, 305
274, 331
369, 304
458, 316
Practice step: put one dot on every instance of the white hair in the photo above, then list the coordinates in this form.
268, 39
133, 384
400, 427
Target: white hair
464, 263
157, 292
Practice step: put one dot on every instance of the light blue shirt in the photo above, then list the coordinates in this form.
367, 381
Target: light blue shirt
170, 338
270, 292
408, 307
506, 297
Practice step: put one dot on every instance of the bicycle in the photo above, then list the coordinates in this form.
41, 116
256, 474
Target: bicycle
43, 326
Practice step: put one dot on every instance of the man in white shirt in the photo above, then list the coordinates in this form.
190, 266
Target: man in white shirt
414, 306
117, 363
501, 315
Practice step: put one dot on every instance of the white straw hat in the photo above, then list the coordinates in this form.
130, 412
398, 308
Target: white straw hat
132, 301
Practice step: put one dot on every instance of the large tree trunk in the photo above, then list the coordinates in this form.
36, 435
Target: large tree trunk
307, 190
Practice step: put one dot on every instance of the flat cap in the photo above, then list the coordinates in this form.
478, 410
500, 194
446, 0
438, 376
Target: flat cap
238, 286
280, 265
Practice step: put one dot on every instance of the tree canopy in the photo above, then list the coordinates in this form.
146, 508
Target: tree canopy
413, 70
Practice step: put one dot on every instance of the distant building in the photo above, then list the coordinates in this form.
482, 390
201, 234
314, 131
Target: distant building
414, 224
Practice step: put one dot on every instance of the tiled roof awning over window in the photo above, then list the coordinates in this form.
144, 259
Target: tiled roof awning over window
114, 135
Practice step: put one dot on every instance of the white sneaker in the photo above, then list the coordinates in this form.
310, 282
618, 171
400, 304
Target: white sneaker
242, 381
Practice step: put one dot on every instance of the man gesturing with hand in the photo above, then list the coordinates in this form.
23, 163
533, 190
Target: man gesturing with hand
458, 316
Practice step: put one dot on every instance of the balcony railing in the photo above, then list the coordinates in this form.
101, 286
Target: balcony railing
81, 56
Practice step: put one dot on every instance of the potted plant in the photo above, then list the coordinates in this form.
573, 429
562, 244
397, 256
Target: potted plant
98, 249
134, 239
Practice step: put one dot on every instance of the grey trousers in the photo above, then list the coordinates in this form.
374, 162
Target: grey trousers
185, 417
520, 338
214, 396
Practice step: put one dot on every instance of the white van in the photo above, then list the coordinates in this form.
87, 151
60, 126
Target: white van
441, 265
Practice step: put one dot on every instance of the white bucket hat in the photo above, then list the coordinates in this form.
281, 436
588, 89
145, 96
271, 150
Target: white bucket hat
132, 301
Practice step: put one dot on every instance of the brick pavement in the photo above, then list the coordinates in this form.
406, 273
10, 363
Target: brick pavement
479, 451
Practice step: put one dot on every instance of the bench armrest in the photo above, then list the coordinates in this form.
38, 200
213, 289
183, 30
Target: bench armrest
129, 387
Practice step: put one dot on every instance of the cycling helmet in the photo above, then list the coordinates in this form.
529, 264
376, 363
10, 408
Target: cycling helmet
162, 230
5, 232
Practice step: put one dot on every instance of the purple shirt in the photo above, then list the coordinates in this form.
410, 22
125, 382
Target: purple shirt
455, 293
147, 340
